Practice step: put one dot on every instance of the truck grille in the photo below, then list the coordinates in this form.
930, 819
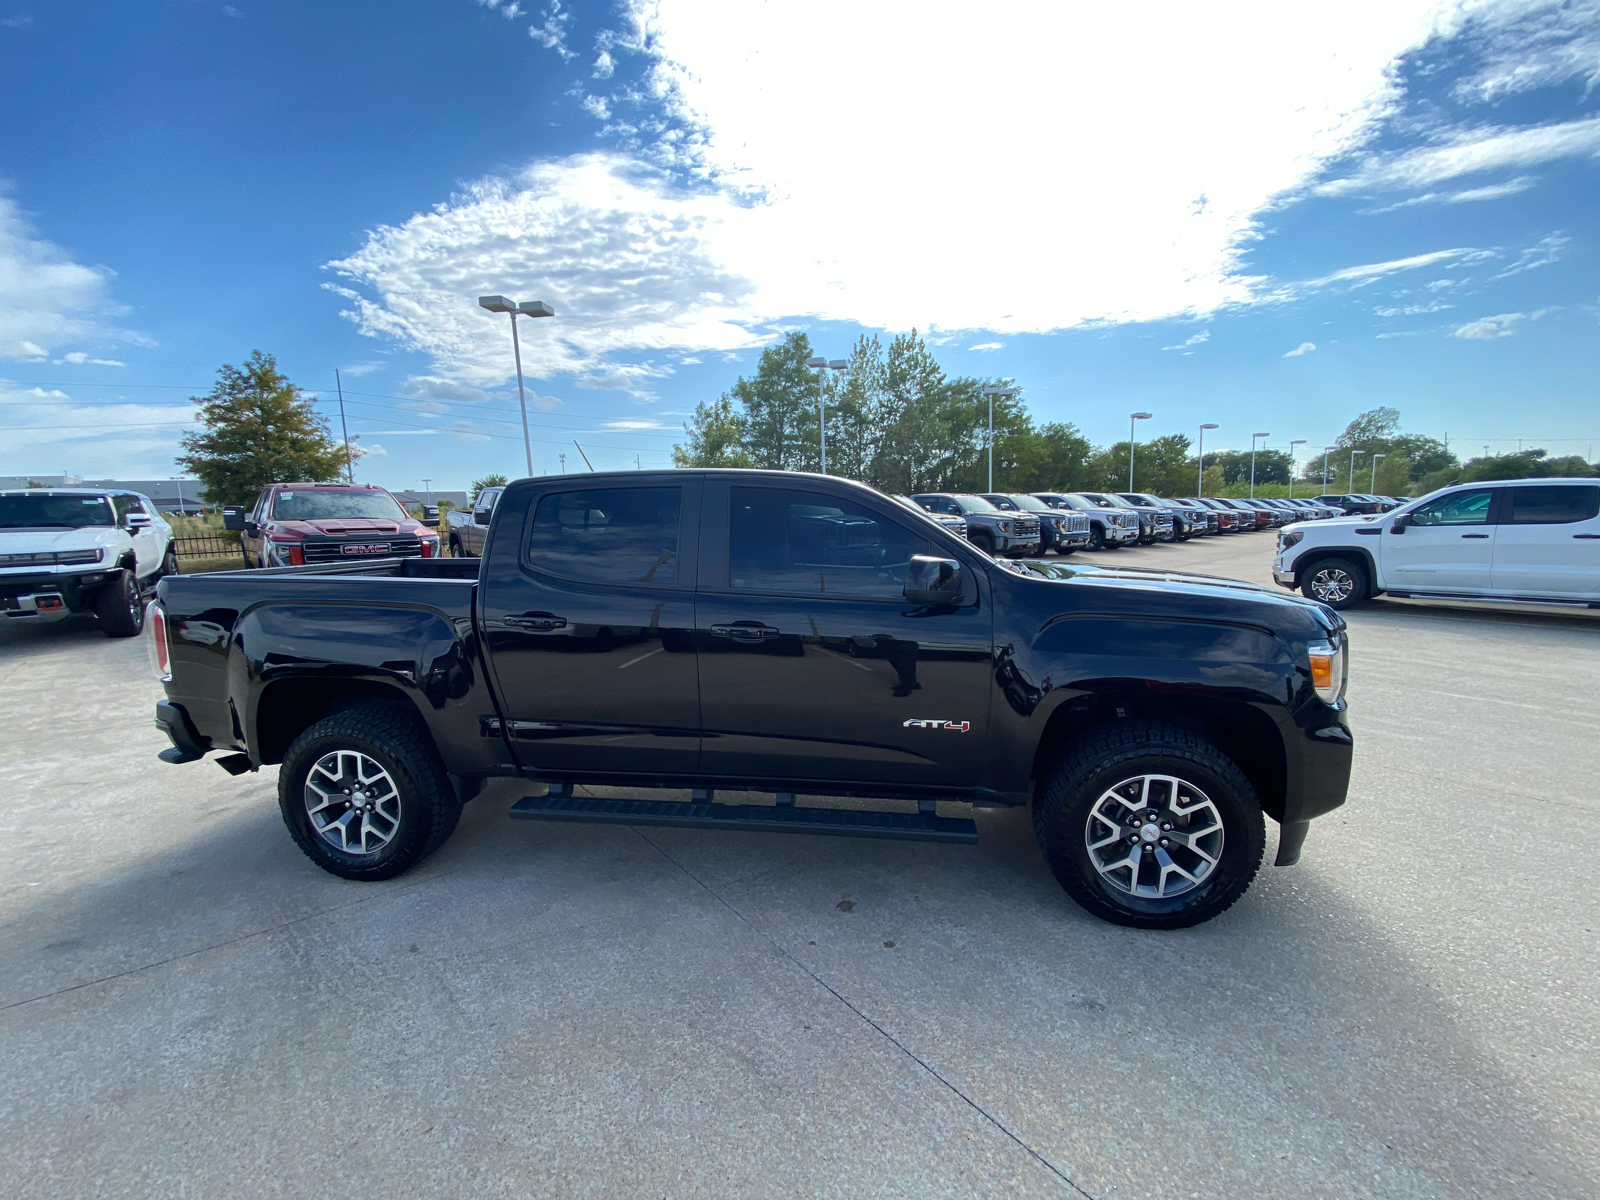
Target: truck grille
1075, 522
1025, 527
333, 550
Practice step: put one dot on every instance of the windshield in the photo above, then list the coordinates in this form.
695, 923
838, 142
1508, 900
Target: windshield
303, 504
54, 512
1075, 502
1098, 501
975, 504
1028, 503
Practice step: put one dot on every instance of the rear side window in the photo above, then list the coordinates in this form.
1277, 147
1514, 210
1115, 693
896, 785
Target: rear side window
809, 543
1553, 505
609, 535
1458, 508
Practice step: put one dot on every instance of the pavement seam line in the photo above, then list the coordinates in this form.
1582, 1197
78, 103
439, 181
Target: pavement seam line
879, 1029
243, 937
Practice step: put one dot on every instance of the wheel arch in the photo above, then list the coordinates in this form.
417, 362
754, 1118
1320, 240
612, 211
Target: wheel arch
1322, 553
286, 708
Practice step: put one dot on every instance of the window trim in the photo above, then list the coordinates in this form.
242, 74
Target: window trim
1508, 504
686, 515
1497, 505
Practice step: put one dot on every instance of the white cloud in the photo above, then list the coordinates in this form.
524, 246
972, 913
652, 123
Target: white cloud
1493, 191
1198, 339
1468, 152
1114, 210
597, 107
1301, 350
1371, 272
626, 425
1535, 45
47, 431
988, 346
1542, 253
79, 358
1487, 329
358, 369
431, 387
1413, 310
46, 298
376, 450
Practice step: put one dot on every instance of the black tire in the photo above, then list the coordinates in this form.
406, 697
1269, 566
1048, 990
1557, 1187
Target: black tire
1037, 552
247, 563
455, 546
1097, 540
984, 540
1340, 583
1096, 763
1063, 551
120, 607
169, 564
427, 803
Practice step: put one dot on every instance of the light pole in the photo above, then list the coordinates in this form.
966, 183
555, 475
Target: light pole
1133, 418
427, 488
1353, 454
1326, 450
1375, 459
178, 479
528, 308
823, 364
1292, 445
992, 392
1253, 438
1200, 462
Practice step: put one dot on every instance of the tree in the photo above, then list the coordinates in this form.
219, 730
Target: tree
716, 437
488, 481
259, 429
1162, 465
780, 408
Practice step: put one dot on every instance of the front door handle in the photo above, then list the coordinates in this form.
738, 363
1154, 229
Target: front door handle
745, 631
1586, 535
1475, 535
541, 622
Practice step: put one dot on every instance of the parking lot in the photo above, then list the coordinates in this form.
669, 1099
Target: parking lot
190, 1007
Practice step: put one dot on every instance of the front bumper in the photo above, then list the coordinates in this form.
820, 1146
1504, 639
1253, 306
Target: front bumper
20, 594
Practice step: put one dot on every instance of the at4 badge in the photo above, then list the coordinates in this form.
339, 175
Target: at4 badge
948, 726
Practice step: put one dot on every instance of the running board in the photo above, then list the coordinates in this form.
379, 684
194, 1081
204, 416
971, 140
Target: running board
785, 818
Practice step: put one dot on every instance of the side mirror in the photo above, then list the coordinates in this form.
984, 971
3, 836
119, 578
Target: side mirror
934, 581
430, 515
252, 529
137, 521
480, 516
1398, 525
233, 517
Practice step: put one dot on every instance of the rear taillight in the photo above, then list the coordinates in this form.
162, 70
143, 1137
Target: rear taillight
160, 657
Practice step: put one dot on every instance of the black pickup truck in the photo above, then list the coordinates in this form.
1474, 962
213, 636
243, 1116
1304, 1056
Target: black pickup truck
778, 633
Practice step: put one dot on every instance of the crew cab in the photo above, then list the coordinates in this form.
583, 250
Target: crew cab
68, 550
1518, 541
466, 530
1110, 527
1000, 533
773, 632
293, 524
1062, 530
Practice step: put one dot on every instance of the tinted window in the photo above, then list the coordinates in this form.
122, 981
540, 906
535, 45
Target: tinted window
611, 535
1458, 508
809, 543
51, 512
1553, 505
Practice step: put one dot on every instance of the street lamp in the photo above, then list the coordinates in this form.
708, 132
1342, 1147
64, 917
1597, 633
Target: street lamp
528, 308
1375, 459
1353, 454
992, 392
427, 486
1326, 450
179, 480
1132, 418
1253, 438
1200, 462
823, 364
1292, 445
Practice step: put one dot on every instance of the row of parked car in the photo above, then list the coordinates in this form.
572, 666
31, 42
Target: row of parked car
1030, 524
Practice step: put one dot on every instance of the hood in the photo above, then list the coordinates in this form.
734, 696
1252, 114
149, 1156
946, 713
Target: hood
43, 541
348, 527
1327, 522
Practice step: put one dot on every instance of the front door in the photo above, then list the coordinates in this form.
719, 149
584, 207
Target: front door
146, 541
1448, 545
1548, 541
813, 665
588, 611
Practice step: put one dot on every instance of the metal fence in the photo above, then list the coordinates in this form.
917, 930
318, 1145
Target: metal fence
204, 547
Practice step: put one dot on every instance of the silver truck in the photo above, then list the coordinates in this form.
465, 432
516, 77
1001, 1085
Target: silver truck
467, 529
999, 533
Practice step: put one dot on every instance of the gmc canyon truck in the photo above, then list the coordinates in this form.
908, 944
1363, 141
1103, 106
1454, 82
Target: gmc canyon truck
779, 633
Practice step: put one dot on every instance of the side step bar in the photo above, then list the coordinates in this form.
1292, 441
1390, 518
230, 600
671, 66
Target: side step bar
786, 818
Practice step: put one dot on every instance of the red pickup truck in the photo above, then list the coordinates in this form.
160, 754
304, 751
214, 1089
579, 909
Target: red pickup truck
293, 524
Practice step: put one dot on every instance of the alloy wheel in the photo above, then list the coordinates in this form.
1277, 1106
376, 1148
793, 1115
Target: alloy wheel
352, 801
1332, 585
1154, 837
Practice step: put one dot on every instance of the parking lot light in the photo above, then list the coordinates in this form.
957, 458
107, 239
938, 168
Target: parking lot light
992, 392
1292, 445
1375, 459
1353, 454
1133, 418
821, 365
1253, 438
528, 308
1200, 461
1326, 450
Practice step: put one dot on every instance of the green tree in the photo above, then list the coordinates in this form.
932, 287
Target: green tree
1162, 465
488, 481
259, 429
716, 437
780, 408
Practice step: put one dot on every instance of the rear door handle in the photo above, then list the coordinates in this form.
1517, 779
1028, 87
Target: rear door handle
1586, 535
538, 622
745, 631
1475, 535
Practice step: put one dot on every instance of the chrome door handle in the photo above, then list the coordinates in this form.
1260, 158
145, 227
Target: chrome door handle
538, 622
745, 631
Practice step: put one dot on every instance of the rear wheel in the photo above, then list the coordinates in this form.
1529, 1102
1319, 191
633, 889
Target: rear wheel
169, 563
1148, 825
365, 794
1339, 583
455, 546
120, 607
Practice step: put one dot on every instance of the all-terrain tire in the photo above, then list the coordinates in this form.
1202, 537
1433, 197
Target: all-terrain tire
455, 546
398, 742
169, 563
1340, 583
119, 606
1109, 756
1097, 540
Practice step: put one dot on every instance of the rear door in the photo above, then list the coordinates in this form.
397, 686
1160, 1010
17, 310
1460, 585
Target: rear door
472, 533
1548, 541
813, 665
587, 603
1448, 546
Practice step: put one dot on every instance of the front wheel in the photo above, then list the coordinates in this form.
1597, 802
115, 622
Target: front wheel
984, 540
1148, 825
1340, 583
365, 794
1097, 540
120, 607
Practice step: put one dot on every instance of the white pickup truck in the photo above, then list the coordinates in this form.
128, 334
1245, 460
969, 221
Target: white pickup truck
67, 550
1515, 541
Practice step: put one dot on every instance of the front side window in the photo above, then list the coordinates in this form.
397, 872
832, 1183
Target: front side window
54, 512
608, 535
1458, 508
1553, 505
808, 543
305, 504
123, 505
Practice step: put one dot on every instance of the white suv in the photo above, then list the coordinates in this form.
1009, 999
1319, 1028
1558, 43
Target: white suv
1518, 541
65, 550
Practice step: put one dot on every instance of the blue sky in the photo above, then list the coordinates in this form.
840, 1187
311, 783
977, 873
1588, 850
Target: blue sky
1260, 215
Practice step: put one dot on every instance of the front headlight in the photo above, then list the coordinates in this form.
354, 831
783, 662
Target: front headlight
1285, 540
1005, 526
278, 553
77, 558
1328, 661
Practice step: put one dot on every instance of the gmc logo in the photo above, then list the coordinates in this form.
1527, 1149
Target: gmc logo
949, 726
374, 548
